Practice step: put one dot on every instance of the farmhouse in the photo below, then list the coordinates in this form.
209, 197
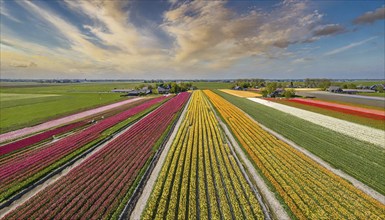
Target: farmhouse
278, 92
162, 90
335, 89
139, 92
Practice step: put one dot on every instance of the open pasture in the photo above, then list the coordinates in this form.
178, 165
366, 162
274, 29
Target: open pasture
29, 105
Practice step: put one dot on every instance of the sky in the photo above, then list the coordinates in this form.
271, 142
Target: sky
111, 39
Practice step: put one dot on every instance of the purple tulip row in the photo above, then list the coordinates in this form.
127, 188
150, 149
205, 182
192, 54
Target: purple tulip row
23, 167
97, 187
8, 148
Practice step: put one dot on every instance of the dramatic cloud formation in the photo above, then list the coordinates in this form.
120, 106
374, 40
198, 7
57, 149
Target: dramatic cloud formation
193, 39
371, 16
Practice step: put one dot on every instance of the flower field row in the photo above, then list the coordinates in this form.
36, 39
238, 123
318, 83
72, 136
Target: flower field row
100, 186
360, 132
309, 190
243, 94
8, 148
200, 178
57, 122
363, 112
18, 171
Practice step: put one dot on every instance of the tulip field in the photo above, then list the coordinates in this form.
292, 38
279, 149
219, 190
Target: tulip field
14, 146
204, 154
359, 115
20, 170
308, 189
364, 112
100, 186
200, 177
363, 133
240, 93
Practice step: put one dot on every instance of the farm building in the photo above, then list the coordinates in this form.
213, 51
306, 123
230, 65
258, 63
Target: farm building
139, 92
335, 89
162, 90
121, 90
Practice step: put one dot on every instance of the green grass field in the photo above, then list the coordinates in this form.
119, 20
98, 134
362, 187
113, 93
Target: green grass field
359, 159
30, 104
379, 124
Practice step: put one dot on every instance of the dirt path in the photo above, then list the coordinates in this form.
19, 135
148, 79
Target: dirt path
276, 207
358, 184
142, 201
52, 180
49, 124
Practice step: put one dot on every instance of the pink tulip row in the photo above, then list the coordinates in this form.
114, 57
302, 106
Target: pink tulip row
23, 167
96, 188
353, 110
8, 148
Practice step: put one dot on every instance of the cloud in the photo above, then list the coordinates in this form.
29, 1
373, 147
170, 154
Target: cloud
330, 29
302, 60
4, 12
23, 65
371, 16
210, 34
350, 46
205, 36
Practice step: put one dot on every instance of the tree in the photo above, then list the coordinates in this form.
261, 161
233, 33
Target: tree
271, 87
289, 93
264, 92
380, 89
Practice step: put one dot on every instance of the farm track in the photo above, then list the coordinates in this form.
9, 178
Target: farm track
262, 191
361, 186
53, 123
16, 174
308, 189
103, 192
200, 177
51, 178
360, 132
142, 201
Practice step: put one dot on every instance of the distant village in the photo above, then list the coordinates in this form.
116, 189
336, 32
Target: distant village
160, 88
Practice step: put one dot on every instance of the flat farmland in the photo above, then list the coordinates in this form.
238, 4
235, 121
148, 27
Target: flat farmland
360, 159
200, 177
101, 186
31, 104
309, 190
359, 119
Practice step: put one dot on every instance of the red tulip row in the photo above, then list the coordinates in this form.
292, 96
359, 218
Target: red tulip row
13, 172
363, 112
8, 148
98, 186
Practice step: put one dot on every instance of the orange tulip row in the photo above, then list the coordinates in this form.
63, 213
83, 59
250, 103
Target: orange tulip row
200, 177
307, 188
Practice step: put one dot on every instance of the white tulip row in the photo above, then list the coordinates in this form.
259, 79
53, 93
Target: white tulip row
357, 131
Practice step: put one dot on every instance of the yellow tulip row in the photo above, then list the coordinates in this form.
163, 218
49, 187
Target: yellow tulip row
243, 94
309, 190
200, 177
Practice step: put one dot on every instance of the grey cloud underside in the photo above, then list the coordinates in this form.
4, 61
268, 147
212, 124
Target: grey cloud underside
331, 29
371, 16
